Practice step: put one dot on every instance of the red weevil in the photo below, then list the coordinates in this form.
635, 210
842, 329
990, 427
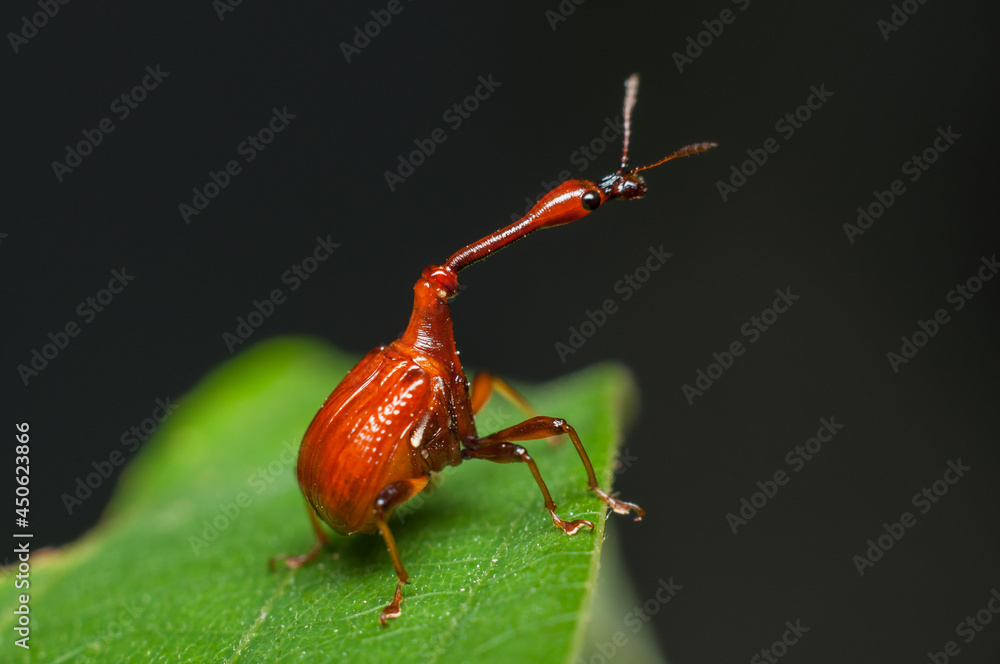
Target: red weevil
407, 410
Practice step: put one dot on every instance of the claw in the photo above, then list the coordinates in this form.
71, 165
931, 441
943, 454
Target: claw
392, 611
621, 506
291, 562
570, 527
294, 562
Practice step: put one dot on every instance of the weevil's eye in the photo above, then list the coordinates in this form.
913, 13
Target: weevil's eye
591, 199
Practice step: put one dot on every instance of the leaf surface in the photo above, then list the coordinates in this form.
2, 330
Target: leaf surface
177, 568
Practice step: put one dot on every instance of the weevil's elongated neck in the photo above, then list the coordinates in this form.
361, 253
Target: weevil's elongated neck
430, 331
559, 206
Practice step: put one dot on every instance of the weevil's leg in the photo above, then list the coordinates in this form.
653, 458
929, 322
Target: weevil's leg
503, 452
298, 561
542, 427
389, 498
483, 385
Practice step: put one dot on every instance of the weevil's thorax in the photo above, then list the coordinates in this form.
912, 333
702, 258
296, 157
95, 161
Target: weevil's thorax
430, 331
429, 339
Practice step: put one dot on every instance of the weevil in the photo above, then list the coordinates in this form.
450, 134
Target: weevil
406, 410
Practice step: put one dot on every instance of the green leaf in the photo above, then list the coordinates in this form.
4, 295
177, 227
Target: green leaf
177, 568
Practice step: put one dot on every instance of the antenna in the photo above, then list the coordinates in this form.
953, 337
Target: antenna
631, 93
694, 148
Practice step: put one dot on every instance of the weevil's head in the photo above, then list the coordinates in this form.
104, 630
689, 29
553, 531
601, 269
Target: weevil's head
574, 199
568, 202
625, 185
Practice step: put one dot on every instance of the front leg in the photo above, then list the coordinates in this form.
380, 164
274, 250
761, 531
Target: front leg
502, 452
543, 427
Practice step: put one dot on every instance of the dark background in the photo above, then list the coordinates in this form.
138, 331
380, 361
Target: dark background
323, 176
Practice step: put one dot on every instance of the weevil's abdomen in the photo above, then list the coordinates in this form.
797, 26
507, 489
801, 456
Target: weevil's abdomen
362, 439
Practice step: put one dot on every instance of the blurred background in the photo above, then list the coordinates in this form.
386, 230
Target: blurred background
848, 214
